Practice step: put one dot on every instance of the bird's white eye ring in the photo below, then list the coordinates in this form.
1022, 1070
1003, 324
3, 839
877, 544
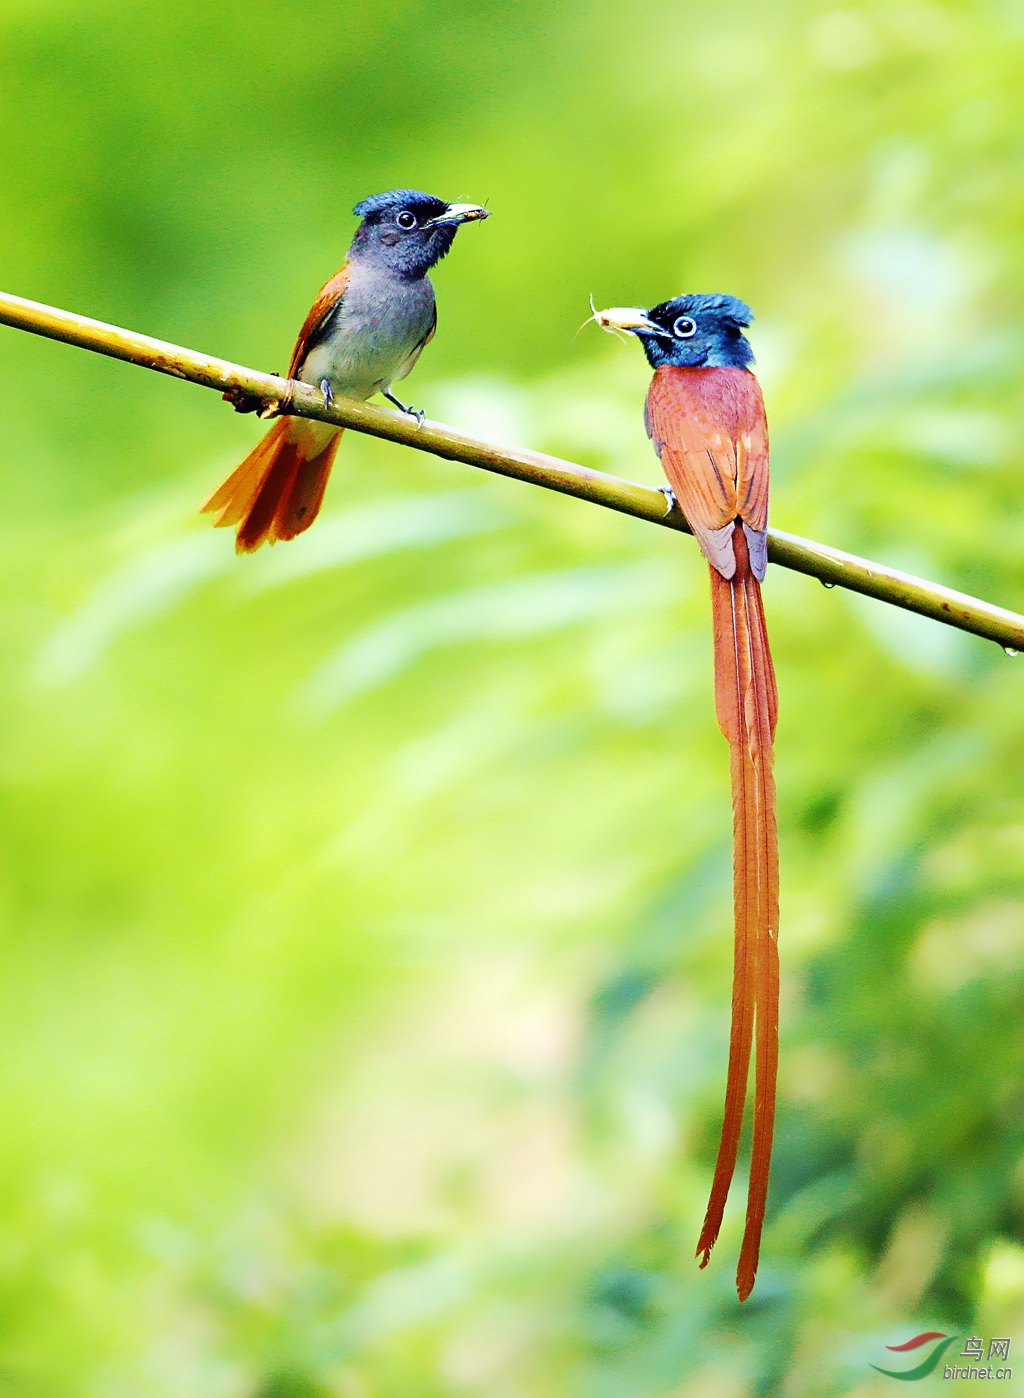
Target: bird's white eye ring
405, 220
685, 328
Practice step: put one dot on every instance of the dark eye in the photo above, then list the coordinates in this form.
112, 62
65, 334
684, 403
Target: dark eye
405, 219
684, 328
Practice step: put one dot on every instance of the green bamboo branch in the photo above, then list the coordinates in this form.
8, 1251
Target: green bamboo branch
830, 566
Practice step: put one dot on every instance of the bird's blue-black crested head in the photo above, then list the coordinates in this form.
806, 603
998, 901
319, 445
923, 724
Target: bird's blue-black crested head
407, 230
704, 332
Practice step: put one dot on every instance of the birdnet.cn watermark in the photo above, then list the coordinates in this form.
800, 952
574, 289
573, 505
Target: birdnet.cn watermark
979, 1358
975, 1348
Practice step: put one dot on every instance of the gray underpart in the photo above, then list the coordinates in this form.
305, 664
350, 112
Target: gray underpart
373, 335
757, 550
716, 546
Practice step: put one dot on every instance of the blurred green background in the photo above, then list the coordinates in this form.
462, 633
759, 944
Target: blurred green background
366, 903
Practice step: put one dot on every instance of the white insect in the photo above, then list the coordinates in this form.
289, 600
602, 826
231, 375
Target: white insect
617, 319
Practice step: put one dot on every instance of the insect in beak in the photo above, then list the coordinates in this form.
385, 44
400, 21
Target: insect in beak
629, 318
624, 318
456, 214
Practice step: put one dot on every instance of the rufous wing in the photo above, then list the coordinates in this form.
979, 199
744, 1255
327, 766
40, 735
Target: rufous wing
708, 427
326, 303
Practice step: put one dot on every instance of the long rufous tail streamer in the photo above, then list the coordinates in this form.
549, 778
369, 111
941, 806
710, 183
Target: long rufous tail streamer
746, 703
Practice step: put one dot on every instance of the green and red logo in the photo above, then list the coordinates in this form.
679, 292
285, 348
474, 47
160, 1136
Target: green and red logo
930, 1362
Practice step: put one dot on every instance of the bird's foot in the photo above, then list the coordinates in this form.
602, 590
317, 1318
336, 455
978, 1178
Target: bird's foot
417, 413
670, 499
325, 389
241, 401
244, 402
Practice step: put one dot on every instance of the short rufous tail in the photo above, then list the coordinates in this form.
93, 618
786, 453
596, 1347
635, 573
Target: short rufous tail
277, 491
746, 703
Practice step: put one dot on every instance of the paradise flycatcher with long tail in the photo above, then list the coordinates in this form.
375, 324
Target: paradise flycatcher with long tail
705, 416
366, 328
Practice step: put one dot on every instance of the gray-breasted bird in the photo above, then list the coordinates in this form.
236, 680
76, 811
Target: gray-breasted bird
366, 328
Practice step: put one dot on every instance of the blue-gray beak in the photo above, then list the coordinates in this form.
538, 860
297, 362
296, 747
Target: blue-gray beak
630, 318
458, 213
